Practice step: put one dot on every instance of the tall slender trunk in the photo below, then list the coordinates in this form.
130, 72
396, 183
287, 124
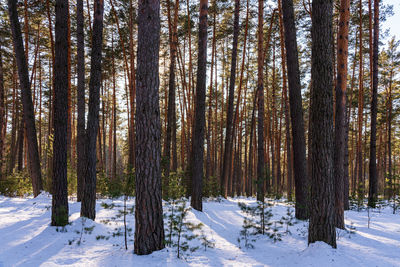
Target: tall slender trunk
360, 112
171, 112
199, 112
29, 116
88, 206
132, 92
373, 173
80, 144
260, 102
69, 95
2, 115
59, 214
340, 118
296, 112
229, 127
285, 99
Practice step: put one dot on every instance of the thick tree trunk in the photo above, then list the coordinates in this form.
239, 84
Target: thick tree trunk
88, 206
199, 112
149, 227
296, 112
373, 173
29, 116
80, 144
59, 214
322, 224
340, 117
229, 117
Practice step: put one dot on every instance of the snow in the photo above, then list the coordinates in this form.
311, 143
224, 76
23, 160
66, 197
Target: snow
27, 239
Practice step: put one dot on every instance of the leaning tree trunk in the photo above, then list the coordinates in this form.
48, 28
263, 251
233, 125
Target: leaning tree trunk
88, 206
26, 95
322, 225
149, 227
80, 130
59, 214
199, 112
296, 111
229, 117
340, 117
373, 173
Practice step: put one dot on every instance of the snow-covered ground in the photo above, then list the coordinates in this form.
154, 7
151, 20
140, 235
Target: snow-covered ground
26, 239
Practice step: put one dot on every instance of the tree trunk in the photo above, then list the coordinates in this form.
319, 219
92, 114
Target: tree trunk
29, 116
373, 173
149, 227
199, 112
171, 112
80, 144
260, 101
359, 173
229, 118
59, 214
296, 112
88, 206
322, 224
340, 117
2, 115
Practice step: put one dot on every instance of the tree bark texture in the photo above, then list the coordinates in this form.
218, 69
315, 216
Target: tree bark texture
322, 226
149, 227
199, 112
59, 214
88, 206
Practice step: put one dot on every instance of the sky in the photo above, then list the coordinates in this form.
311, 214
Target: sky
393, 23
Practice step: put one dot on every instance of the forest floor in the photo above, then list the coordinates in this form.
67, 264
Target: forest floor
27, 239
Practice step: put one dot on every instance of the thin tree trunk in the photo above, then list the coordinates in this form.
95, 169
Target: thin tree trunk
296, 112
2, 115
340, 118
360, 113
197, 158
373, 173
80, 144
88, 206
260, 102
229, 118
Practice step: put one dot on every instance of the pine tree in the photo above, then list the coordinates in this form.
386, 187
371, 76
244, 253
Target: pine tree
59, 215
322, 226
88, 206
299, 144
26, 95
149, 227
199, 112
